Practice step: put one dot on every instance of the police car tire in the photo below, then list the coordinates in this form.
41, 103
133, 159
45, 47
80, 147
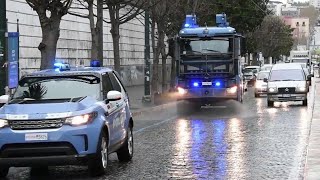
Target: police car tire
123, 153
95, 166
4, 172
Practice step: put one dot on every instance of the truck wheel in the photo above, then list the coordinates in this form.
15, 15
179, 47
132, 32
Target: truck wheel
270, 103
305, 102
125, 153
4, 172
256, 95
99, 162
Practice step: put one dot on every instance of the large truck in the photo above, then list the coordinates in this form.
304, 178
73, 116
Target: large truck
300, 56
208, 62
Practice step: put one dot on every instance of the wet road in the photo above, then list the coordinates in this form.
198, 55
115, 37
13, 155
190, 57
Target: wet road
230, 141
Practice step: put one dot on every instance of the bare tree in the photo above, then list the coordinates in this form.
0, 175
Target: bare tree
50, 13
96, 28
121, 11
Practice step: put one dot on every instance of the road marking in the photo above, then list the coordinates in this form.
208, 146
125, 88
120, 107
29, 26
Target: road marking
154, 125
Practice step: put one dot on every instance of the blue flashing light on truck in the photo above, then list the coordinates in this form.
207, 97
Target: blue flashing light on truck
208, 62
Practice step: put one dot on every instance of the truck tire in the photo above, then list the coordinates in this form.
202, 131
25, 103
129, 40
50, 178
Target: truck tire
270, 103
4, 172
305, 102
125, 153
99, 162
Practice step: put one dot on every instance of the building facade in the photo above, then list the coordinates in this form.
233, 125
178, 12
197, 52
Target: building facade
315, 3
74, 45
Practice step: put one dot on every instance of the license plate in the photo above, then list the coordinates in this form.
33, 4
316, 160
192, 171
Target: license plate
206, 83
286, 95
36, 137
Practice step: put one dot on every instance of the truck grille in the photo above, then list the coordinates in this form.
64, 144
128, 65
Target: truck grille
36, 124
286, 90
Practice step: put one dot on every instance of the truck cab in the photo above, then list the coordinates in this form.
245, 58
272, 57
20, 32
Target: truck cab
209, 62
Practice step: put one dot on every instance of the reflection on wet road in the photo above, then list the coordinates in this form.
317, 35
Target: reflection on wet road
239, 141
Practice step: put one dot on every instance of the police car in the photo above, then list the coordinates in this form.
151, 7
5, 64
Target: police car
66, 116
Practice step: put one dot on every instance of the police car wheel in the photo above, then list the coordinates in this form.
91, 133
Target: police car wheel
125, 153
99, 161
4, 172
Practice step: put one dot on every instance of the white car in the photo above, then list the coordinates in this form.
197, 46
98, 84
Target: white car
260, 86
287, 82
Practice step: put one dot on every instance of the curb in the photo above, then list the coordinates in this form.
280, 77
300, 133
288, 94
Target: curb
155, 108
306, 167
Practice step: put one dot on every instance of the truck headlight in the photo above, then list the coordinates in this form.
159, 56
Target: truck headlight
181, 91
232, 90
3, 123
81, 120
272, 90
301, 89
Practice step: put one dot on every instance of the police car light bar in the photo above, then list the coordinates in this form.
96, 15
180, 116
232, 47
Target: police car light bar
61, 66
95, 63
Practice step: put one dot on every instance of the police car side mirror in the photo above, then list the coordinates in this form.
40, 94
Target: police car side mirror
4, 99
114, 96
265, 80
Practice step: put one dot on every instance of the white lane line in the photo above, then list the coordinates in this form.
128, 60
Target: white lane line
154, 125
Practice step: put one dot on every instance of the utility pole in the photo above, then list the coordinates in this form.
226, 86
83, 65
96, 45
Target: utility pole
3, 27
147, 93
100, 30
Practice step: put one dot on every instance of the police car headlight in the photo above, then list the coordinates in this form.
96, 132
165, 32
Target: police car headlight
272, 90
301, 89
3, 123
81, 120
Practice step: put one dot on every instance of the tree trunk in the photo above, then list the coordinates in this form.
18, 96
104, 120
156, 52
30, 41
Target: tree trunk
155, 69
115, 32
94, 34
164, 62
50, 36
99, 31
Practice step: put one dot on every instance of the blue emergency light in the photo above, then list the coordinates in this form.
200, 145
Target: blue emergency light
95, 63
195, 84
61, 66
217, 84
191, 21
221, 20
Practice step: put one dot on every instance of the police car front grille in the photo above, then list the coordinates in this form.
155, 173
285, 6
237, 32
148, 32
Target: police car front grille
36, 124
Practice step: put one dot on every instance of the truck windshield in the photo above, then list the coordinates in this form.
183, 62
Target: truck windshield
55, 88
300, 61
199, 46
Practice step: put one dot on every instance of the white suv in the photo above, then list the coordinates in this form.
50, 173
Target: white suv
287, 82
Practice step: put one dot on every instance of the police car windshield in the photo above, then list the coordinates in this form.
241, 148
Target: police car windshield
57, 88
287, 75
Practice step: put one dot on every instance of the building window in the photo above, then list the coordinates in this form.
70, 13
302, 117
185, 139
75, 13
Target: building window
303, 24
297, 24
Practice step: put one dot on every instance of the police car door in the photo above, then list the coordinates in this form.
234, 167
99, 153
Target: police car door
120, 120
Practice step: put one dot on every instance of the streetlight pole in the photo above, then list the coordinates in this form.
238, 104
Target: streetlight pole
147, 77
3, 27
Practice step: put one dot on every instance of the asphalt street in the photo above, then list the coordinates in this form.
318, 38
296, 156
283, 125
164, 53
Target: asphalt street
227, 141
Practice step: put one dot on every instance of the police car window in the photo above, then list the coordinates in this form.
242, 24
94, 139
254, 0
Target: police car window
58, 88
106, 85
115, 84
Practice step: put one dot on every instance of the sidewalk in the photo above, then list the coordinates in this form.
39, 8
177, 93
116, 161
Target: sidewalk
137, 107
312, 167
